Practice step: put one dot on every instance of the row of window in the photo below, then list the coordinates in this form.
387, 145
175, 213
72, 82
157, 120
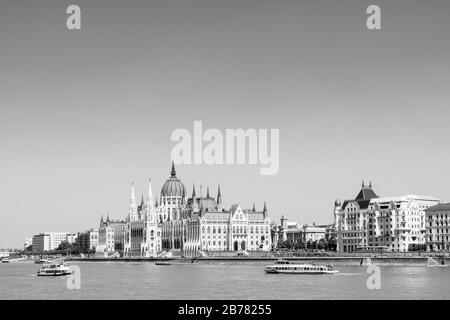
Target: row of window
239, 229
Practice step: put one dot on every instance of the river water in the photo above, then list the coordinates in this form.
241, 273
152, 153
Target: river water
125, 280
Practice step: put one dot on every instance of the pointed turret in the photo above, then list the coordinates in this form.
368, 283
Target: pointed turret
265, 210
219, 199
193, 192
149, 195
194, 204
101, 221
107, 218
132, 207
254, 208
207, 191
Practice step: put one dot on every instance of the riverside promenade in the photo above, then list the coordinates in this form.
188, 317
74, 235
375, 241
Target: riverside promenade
327, 258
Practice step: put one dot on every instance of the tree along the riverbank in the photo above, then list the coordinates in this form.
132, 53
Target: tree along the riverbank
322, 244
65, 248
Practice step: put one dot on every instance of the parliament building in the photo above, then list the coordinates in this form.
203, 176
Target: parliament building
179, 225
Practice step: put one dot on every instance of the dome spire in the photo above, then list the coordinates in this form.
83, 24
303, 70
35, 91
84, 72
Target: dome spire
173, 173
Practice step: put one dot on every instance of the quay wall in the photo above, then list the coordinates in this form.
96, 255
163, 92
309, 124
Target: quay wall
317, 260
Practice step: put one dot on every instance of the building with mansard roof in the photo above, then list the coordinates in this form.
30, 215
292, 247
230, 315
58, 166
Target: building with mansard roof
192, 226
371, 223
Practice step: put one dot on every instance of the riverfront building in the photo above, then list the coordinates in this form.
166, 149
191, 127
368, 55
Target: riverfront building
437, 224
350, 220
109, 237
370, 223
51, 240
296, 232
190, 226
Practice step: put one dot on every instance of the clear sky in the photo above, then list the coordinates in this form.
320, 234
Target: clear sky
84, 113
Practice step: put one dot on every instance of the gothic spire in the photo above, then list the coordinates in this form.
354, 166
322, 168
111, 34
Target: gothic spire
254, 208
150, 194
265, 210
132, 207
207, 191
219, 198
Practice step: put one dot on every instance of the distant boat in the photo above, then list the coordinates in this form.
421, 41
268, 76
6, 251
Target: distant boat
283, 266
12, 260
41, 261
162, 263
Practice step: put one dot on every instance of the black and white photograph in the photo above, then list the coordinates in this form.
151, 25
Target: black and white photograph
224, 150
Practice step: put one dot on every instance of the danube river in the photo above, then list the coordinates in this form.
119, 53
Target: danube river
126, 280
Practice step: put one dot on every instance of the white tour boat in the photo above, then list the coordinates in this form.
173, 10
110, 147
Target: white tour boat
54, 269
283, 266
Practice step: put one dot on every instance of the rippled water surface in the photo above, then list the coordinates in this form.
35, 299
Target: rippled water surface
104, 280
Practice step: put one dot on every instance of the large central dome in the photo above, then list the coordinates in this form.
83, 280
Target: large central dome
173, 187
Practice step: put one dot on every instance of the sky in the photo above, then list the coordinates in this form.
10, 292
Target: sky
83, 113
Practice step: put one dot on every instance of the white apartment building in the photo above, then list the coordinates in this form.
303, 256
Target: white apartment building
51, 240
93, 238
437, 224
398, 223
381, 224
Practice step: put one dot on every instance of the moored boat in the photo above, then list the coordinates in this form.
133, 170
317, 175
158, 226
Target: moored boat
283, 266
41, 261
162, 263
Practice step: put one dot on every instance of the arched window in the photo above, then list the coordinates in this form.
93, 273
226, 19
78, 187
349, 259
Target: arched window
219, 230
214, 229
